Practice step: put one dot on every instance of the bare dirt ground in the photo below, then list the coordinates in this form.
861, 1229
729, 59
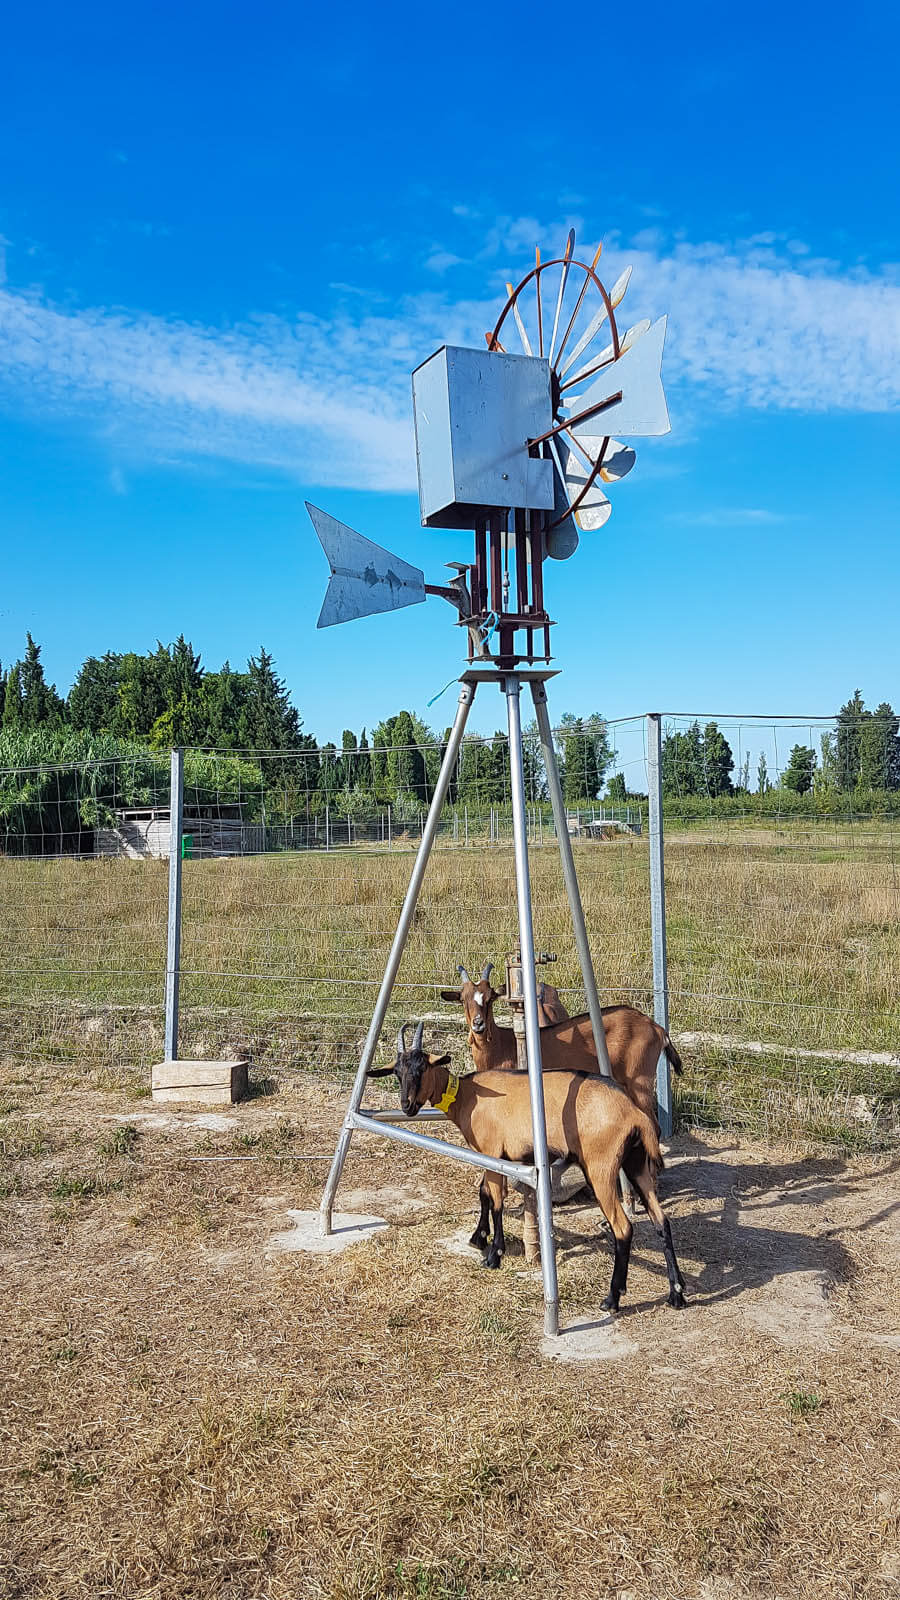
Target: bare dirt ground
190, 1412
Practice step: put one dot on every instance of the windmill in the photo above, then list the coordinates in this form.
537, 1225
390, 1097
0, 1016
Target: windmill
511, 443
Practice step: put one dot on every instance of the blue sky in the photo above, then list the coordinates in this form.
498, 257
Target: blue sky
230, 234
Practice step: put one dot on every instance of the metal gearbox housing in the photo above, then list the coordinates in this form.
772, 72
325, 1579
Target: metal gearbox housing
475, 411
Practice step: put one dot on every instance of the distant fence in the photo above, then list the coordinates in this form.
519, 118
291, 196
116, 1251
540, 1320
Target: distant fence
777, 931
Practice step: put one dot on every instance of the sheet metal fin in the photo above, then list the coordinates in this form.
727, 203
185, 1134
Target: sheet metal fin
365, 579
642, 408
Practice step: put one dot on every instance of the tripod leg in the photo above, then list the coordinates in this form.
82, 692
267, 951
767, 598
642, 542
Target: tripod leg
512, 689
466, 696
539, 694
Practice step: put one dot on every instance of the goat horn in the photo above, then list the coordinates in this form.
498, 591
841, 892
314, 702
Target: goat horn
401, 1039
488, 969
464, 975
417, 1036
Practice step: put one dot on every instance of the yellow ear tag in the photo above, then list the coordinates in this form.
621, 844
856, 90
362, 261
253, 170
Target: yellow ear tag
449, 1094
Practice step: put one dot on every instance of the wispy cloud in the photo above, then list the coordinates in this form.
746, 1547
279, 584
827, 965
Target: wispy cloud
728, 517
757, 324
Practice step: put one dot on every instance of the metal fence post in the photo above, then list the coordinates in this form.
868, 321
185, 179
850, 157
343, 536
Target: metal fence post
173, 950
658, 914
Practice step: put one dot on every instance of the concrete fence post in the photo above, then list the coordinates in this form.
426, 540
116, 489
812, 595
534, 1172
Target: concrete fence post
173, 946
658, 913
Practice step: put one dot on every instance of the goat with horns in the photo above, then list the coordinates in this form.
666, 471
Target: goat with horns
589, 1120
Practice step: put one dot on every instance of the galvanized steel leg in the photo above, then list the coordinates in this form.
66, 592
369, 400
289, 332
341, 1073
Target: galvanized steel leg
512, 690
658, 916
466, 696
173, 949
539, 694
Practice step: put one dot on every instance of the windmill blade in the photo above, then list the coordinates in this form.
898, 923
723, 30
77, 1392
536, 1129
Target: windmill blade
617, 292
618, 460
562, 541
596, 362
564, 278
633, 334
595, 508
642, 409
365, 578
578, 303
593, 328
616, 295
519, 323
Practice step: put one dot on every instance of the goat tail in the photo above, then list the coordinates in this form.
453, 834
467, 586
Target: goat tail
673, 1057
641, 1140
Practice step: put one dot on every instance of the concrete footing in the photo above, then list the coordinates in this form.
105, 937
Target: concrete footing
198, 1083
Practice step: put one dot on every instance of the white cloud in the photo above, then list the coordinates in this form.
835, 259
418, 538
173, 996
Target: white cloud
440, 261
728, 517
751, 325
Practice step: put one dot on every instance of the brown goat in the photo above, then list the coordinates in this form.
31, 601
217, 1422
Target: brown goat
633, 1040
550, 1007
589, 1120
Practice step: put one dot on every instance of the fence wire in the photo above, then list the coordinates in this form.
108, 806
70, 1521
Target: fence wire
783, 905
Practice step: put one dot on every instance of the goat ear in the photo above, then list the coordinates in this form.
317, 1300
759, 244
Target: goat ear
380, 1072
449, 994
438, 1061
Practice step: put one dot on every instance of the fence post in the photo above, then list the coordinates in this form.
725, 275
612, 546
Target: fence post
658, 914
173, 948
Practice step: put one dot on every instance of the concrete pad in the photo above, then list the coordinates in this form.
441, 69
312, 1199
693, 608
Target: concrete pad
591, 1338
212, 1121
457, 1244
348, 1228
143, 1119
400, 1199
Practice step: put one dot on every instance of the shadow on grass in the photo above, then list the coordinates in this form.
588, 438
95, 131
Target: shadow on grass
738, 1251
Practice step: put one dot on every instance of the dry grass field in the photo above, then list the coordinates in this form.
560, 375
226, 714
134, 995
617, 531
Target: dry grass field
782, 936
186, 1414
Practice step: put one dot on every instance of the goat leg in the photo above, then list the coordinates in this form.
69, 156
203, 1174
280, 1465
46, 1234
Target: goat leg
623, 1231
498, 1245
480, 1237
646, 1188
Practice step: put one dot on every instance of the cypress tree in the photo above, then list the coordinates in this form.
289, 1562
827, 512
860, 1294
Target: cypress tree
849, 724
798, 774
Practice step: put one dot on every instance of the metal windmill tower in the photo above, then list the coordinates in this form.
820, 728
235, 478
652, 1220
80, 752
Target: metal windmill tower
512, 446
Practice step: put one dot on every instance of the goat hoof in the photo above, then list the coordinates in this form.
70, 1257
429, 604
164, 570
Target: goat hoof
478, 1240
611, 1303
676, 1299
492, 1262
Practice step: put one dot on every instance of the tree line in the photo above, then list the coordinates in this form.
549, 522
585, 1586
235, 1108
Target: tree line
861, 754
128, 702
167, 697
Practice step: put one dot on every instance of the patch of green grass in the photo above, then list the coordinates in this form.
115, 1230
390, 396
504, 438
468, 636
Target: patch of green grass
491, 1327
429, 1583
267, 1141
79, 1478
120, 1141
802, 1403
69, 1186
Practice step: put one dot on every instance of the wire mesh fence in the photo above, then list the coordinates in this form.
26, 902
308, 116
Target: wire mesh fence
782, 902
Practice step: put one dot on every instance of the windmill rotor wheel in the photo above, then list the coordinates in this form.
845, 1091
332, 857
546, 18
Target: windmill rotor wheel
556, 313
